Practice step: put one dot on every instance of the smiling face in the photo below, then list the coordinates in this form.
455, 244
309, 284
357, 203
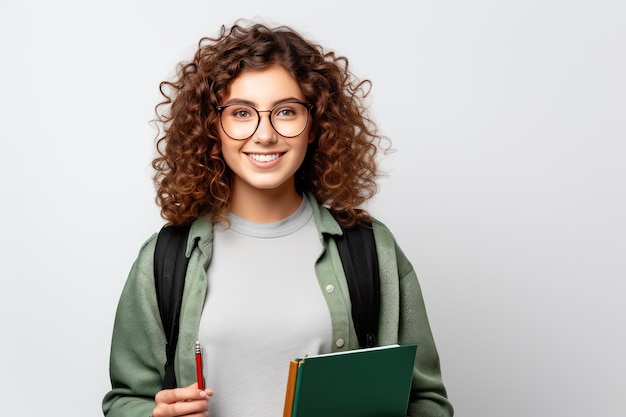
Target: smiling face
266, 161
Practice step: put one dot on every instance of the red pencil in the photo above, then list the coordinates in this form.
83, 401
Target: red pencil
199, 365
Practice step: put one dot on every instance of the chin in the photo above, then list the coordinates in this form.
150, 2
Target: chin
270, 185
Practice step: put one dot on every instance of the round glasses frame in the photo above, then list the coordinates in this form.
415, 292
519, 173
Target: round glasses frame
308, 107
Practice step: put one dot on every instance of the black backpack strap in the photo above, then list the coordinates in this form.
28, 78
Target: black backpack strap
360, 263
170, 267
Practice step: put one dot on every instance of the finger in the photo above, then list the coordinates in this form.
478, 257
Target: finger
208, 391
183, 408
170, 396
189, 408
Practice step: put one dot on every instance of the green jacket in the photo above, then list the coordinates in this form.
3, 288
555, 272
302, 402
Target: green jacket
138, 343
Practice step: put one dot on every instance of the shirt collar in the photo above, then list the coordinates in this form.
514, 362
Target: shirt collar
202, 229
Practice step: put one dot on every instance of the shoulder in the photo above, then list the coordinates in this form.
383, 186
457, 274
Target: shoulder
388, 249
145, 257
381, 230
383, 235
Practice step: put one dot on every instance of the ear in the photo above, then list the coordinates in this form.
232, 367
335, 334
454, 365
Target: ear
311, 137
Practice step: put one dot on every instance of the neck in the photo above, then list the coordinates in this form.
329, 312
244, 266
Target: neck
264, 206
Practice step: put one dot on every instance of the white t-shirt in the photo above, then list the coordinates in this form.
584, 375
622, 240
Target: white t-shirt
264, 307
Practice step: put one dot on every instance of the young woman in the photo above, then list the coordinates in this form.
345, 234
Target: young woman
266, 148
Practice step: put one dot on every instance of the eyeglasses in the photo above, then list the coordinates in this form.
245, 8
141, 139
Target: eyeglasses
288, 119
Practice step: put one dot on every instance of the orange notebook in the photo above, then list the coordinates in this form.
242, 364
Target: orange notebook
291, 387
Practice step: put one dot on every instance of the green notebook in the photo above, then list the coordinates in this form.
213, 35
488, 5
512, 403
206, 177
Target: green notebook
372, 382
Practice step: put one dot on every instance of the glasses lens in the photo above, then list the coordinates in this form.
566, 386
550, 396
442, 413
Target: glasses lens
290, 119
240, 121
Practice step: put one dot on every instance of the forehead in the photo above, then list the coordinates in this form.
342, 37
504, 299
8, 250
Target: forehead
263, 87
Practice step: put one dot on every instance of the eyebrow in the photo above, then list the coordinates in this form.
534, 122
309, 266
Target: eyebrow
253, 104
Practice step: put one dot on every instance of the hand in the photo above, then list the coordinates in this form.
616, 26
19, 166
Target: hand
188, 402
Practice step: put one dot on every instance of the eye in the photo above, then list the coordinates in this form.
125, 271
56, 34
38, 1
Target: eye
285, 111
240, 112
288, 110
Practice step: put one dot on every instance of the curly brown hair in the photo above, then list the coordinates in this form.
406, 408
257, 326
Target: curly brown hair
340, 167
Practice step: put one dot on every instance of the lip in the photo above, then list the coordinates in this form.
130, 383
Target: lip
264, 160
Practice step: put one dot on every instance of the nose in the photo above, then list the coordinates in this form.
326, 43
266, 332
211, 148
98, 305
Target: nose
265, 133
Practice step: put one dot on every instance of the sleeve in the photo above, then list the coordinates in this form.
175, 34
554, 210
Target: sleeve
428, 394
404, 316
137, 345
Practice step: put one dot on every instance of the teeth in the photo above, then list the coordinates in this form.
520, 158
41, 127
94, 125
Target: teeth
263, 158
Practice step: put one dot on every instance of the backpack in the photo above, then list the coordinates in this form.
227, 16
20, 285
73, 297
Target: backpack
358, 256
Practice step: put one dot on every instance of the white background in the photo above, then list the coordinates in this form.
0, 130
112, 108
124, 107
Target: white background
507, 189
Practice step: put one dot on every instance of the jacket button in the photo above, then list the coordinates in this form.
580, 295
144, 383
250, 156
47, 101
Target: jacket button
340, 342
330, 288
